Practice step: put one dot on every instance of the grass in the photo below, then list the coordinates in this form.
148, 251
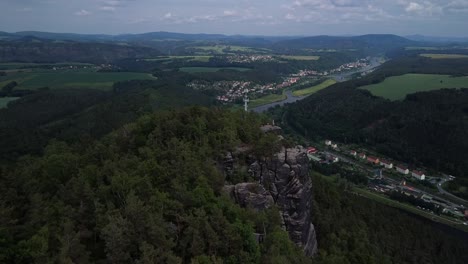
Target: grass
5, 100
81, 78
424, 48
211, 69
397, 87
387, 201
303, 58
187, 58
268, 99
314, 89
227, 49
444, 56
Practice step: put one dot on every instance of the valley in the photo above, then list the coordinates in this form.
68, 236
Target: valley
137, 148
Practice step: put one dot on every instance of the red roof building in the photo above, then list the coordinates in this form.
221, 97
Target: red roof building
373, 159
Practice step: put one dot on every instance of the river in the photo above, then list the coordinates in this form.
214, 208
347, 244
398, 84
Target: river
290, 98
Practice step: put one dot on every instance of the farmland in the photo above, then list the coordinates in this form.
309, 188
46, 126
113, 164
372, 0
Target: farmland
314, 89
5, 100
301, 58
397, 87
211, 69
187, 58
271, 98
225, 49
444, 56
81, 78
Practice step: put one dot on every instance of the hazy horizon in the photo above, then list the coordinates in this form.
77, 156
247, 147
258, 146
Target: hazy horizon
239, 17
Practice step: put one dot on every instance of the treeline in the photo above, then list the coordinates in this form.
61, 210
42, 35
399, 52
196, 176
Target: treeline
353, 229
45, 51
150, 192
415, 131
75, 115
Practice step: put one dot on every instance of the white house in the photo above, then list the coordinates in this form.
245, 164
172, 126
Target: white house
418, 175
353, 153
328, 142
402, 170
335, 146
386, 164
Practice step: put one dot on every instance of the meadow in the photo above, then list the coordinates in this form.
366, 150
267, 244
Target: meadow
227, 49
5, 100
268, 99
303, 58
397, 87
314, 89
211, 69
187, 58
444, 56
80, 78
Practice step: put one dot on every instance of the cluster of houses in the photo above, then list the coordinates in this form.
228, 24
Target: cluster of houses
389, 165
249, 58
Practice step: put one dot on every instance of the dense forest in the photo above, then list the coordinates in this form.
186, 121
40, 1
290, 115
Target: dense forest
85, 114
151, 192
147, 193
353, 229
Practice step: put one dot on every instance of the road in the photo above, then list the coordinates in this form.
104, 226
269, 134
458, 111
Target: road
442, 191
290, 98
348, 160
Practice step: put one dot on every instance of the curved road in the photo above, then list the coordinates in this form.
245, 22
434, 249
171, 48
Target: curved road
290, 98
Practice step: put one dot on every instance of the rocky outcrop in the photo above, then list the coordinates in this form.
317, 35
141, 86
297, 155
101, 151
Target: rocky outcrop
283, 180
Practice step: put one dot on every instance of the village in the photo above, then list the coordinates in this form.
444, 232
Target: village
234, 91
400, 182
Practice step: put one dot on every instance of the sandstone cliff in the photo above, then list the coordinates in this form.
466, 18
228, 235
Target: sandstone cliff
282, 180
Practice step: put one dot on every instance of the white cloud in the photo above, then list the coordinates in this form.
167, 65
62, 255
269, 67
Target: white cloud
414, 7
83, 12
107, 8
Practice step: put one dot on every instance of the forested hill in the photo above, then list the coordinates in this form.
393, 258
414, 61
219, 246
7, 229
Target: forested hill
38, 50
149, 193
426, 128
371, 43
82, 115
152, 192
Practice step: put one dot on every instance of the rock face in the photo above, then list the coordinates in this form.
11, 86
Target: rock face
283, 180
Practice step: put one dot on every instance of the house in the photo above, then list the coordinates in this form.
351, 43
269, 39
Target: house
386, 164
353, 153
402, 169
373, 160
333, 159
335, 146
311, 150
362, 155
328, 142
418, 175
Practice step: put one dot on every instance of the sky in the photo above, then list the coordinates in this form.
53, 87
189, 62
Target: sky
247, 17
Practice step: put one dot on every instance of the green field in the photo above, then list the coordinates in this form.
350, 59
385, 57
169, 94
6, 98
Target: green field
397, 87
5, 100
211, 69
268, 99
226, 49
19, 65
444, 56
303, 58
82, 78
314, 89
187, 58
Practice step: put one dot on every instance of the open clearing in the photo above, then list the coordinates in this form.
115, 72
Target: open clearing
397, 87
444, 56
314, 89
303, 58
71, 79
211, 69
227, 49
268, 99
5, 100
187, 58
